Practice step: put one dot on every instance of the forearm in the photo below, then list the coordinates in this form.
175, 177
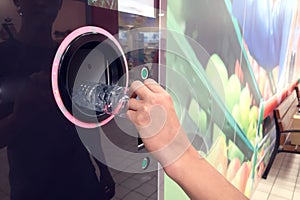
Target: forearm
200, 180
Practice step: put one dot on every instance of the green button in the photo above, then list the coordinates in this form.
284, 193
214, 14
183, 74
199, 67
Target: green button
145, 163
144, 73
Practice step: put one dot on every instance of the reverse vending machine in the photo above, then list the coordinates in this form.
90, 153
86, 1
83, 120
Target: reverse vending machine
66, 67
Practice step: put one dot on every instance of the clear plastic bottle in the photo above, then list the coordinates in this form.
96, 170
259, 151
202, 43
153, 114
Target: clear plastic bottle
99, 97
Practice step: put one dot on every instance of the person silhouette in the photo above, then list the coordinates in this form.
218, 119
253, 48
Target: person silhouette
46, 157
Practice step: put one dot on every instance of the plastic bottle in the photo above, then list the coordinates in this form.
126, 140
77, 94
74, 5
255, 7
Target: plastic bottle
99, 97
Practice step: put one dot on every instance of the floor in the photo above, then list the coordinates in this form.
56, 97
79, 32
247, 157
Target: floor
283, 181
135, 186
129, 186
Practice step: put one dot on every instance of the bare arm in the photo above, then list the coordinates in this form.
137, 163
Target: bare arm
200, 180
155, 118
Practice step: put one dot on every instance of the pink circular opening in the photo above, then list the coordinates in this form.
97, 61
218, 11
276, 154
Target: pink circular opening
55, 67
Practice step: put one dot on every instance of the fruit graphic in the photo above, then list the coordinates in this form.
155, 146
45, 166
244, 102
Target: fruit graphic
241, 177
233, 167
217, 74
233, 91
253, 114
262, 80
217, 156
251, 132
236, 113
238, 71
249, 186
237, 98
245, 102
234, 152
198, 115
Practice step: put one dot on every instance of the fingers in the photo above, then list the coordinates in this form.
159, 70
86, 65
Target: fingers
139, 118
131, 115
137, 88
153, 86
133, 104
143, 90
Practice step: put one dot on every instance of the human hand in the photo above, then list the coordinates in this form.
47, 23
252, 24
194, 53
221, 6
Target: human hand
154, 116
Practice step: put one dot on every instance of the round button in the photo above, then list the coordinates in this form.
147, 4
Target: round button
145, 163
144, 73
